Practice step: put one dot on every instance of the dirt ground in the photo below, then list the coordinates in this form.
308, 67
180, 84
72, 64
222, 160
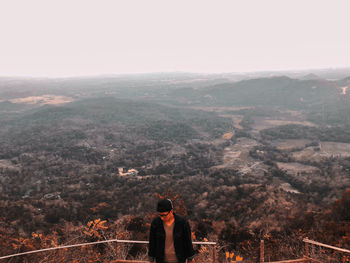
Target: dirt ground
228, 135
42, 100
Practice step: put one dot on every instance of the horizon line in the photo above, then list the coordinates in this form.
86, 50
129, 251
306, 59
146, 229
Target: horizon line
99, 75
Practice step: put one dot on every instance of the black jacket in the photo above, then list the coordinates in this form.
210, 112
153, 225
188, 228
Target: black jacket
182, 240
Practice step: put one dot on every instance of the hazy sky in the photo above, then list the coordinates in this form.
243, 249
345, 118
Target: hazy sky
82, 37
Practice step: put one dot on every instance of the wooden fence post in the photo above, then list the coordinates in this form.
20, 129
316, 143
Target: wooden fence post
214, 254
262, 256
307, 252
116, 249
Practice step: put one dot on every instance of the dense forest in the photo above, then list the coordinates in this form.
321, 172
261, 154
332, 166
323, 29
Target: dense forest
244, 160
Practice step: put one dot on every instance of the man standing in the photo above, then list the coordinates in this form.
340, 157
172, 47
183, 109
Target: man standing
170, 236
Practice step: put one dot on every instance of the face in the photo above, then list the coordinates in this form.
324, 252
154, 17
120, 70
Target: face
165, 216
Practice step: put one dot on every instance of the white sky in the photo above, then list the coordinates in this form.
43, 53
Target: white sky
88, 37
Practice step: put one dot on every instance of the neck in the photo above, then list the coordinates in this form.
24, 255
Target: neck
170, 221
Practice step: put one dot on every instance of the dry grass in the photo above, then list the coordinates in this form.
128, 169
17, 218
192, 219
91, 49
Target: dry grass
42, 100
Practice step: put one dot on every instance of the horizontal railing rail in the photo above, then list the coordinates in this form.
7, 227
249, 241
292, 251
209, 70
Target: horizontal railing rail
307, 258
300, 260
306, 240
90, 244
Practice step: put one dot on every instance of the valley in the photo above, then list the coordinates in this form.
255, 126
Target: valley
240, 156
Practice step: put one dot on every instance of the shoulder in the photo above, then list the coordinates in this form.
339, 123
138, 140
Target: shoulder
180, 219
156, 222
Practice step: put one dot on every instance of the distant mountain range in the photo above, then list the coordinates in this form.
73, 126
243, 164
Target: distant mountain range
310, 76
282, 92
303, 90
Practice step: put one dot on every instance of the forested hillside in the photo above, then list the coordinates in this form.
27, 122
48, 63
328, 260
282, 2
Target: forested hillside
265, 158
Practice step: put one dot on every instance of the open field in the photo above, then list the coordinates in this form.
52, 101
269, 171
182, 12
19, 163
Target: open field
285, 145
294, 168
7, 164
336, 148
326, 150
261, 123
237, 157
220, 109
42, 100
240, 149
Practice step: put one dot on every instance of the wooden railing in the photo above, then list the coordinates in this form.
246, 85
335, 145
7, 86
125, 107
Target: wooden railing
306, 258
213, 244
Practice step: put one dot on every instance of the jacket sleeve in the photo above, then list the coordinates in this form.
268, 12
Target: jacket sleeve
152, 243
188, 241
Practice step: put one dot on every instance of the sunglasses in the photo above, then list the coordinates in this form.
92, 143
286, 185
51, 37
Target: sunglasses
164, 215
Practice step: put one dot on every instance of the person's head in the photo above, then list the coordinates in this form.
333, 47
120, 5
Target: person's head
165, 209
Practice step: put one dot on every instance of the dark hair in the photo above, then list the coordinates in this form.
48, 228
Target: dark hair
164, 205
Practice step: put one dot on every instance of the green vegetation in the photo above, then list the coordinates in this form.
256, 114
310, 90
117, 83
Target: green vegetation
331, 113
335, 134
